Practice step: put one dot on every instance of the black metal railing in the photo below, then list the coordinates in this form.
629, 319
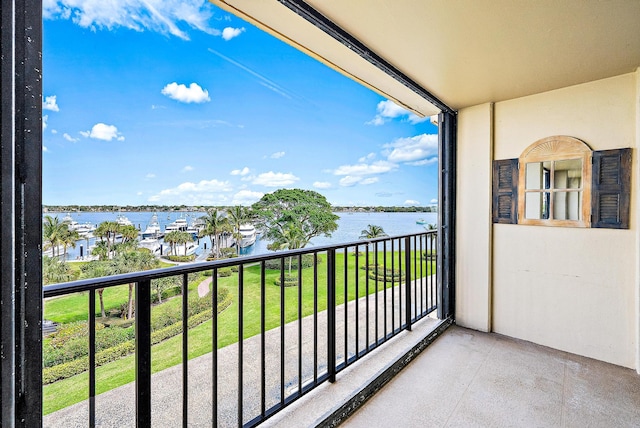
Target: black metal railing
349, 299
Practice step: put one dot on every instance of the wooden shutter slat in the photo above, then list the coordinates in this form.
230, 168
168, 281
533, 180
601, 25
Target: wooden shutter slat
505, 191
611, 188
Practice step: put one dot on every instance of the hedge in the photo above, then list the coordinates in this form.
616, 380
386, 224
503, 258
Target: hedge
307, 262
289, 281
81, 364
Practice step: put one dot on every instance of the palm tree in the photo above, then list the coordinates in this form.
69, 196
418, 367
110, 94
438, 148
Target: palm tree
215, 225
68, 238
52, 231
172, 238
372, 231
107, 230
129, 233
55, 271
292, 238
238, 216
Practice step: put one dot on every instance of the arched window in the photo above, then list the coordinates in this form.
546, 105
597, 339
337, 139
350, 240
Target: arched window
555, 183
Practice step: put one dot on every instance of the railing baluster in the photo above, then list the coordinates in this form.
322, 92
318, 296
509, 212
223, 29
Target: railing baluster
331, 314
214, 353
143, 353
357, 299
185, 350
346, 301
366, 289
263, 345
282, 321
315, 318
393, 294
375, 257
384, 286
299, 325
240, 344
92, 358
407, 244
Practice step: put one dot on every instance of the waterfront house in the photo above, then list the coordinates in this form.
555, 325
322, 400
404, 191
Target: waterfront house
547, 252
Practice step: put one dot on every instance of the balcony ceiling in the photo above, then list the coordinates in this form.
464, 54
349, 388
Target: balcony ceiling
465, 52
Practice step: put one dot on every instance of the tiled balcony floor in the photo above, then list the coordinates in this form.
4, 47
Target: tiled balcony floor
472, 379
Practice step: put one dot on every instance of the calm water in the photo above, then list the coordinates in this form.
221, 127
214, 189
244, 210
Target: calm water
350, 225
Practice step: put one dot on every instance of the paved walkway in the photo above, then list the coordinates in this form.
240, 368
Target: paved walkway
116, 408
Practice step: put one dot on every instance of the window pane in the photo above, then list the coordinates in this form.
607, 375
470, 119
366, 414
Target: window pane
568, 174
538, 175
566, 205
536, 205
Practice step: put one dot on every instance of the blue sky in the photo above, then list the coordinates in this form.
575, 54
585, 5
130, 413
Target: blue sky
178, 102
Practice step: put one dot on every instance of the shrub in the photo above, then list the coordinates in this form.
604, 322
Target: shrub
386, 275
289, 280
228, 253
224, 272
235, 268
181, 259
307, 262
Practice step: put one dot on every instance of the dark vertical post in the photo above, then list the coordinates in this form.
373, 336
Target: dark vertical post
446, 214
263, 343
240, 344
21, 213
331, 314
143, 353
407, 276
185, 350
214, 353
92, 358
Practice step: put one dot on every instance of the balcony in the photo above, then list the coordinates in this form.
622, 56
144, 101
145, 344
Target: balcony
351, 302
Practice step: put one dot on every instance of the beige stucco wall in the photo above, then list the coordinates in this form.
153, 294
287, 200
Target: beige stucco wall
568, 288
473, 213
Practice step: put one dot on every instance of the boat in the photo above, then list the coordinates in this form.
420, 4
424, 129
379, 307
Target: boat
153, 229
150, 243
122, 220
421, 221
196, 227
180, 225
85, 230
248, 232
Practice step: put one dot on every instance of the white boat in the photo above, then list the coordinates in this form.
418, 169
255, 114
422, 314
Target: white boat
196, 226
152, 244
153, 229
180, 224
180, 250
122, 220
84, 229
248, 232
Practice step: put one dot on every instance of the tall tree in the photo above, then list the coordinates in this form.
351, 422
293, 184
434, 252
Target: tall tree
52, 231
306, 210
372, 231
68, 238
216, 223
238, 215
291, 239
55, 271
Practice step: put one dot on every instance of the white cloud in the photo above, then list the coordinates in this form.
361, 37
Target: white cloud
45, 118
69, 137
418, 150
162, 16
246, 197
139, 193
54, 131
275, 179
277, 155
244, 171
321, 184
44, 149
361, 169
187, 168
193, 94
205, 192
50, 103
433, 201
367, 158
387, 110
150, 176
369, 180
230, 32
350, 180
101, 131
411, 202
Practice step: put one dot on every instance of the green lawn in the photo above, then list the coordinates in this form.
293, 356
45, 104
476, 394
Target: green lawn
168, 353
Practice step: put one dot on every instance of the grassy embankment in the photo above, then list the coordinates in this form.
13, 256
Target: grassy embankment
168, 353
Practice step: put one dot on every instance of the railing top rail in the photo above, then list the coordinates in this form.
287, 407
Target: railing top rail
60, 289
